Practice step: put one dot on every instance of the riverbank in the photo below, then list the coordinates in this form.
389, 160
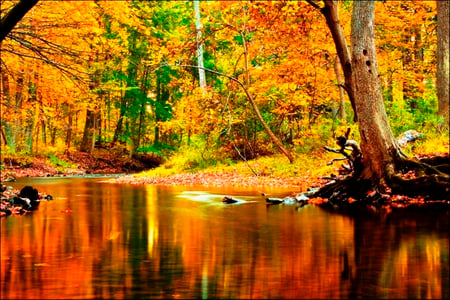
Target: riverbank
269, 171
265, 171
79, 163
224, 178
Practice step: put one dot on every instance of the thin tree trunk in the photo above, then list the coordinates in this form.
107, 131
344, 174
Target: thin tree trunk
337, 70
443, 59
89, 132
3, 135
331, 14
69, 131
4, 90
198, 28
17, 124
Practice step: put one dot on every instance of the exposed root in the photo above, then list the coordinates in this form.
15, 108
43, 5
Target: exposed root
427, 178
350, 187
431, 186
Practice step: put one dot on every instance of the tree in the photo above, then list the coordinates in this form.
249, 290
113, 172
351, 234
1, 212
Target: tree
14, 15
331, 14
382, 160
198, 28
443, 59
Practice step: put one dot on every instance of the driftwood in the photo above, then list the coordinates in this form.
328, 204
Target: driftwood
353, 158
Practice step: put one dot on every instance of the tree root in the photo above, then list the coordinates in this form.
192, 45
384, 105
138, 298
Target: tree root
431, 184
350, 187
427, 178
438, 165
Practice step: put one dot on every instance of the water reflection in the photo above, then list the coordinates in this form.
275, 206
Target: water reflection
120, 241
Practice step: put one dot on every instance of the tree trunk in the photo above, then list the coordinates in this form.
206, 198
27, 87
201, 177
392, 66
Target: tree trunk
331, 14
442, 75
377, 142
4, 90
88, 142
198, 28
69, 130
382, 160
337, 70
13, 17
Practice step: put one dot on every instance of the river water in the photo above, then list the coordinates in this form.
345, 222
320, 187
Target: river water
116, 241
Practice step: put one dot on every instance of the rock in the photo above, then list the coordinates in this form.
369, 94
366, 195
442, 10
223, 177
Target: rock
310, 191
274, 200
30, 193
408, 136
289, 200
25, 203
229, 200
302, 197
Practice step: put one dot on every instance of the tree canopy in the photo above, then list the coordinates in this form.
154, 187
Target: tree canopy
80, 74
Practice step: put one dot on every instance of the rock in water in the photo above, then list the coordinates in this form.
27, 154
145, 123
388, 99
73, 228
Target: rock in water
29, 192
274, 200
229, 200
32, 194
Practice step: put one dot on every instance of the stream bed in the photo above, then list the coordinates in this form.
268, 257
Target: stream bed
116, 241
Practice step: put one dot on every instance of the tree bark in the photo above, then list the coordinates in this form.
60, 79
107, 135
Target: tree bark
331, 14
88, 142
442, 76
198, 28
337, 70
377, 142
13, 17
382, 159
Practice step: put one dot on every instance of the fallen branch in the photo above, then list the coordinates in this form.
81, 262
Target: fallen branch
354, 157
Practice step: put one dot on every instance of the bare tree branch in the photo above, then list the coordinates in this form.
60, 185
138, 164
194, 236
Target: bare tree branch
272, 136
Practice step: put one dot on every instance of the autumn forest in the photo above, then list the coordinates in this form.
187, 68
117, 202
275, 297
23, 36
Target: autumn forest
216, 79
224, 149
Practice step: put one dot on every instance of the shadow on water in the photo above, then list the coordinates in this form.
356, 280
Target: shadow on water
102, 240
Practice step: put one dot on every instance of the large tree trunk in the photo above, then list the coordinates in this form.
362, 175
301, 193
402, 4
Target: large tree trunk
443, 59
379, 164
377, 142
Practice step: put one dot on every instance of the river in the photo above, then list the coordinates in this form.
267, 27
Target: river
115, 241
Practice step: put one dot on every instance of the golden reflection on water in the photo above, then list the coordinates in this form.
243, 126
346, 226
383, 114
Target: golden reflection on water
123, 241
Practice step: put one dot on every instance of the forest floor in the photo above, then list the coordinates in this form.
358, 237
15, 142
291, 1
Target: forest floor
104, 162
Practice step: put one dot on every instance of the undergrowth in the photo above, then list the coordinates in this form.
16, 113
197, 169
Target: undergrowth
199, 157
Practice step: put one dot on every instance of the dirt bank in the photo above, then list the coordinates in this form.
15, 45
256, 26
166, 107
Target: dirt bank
101, 162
